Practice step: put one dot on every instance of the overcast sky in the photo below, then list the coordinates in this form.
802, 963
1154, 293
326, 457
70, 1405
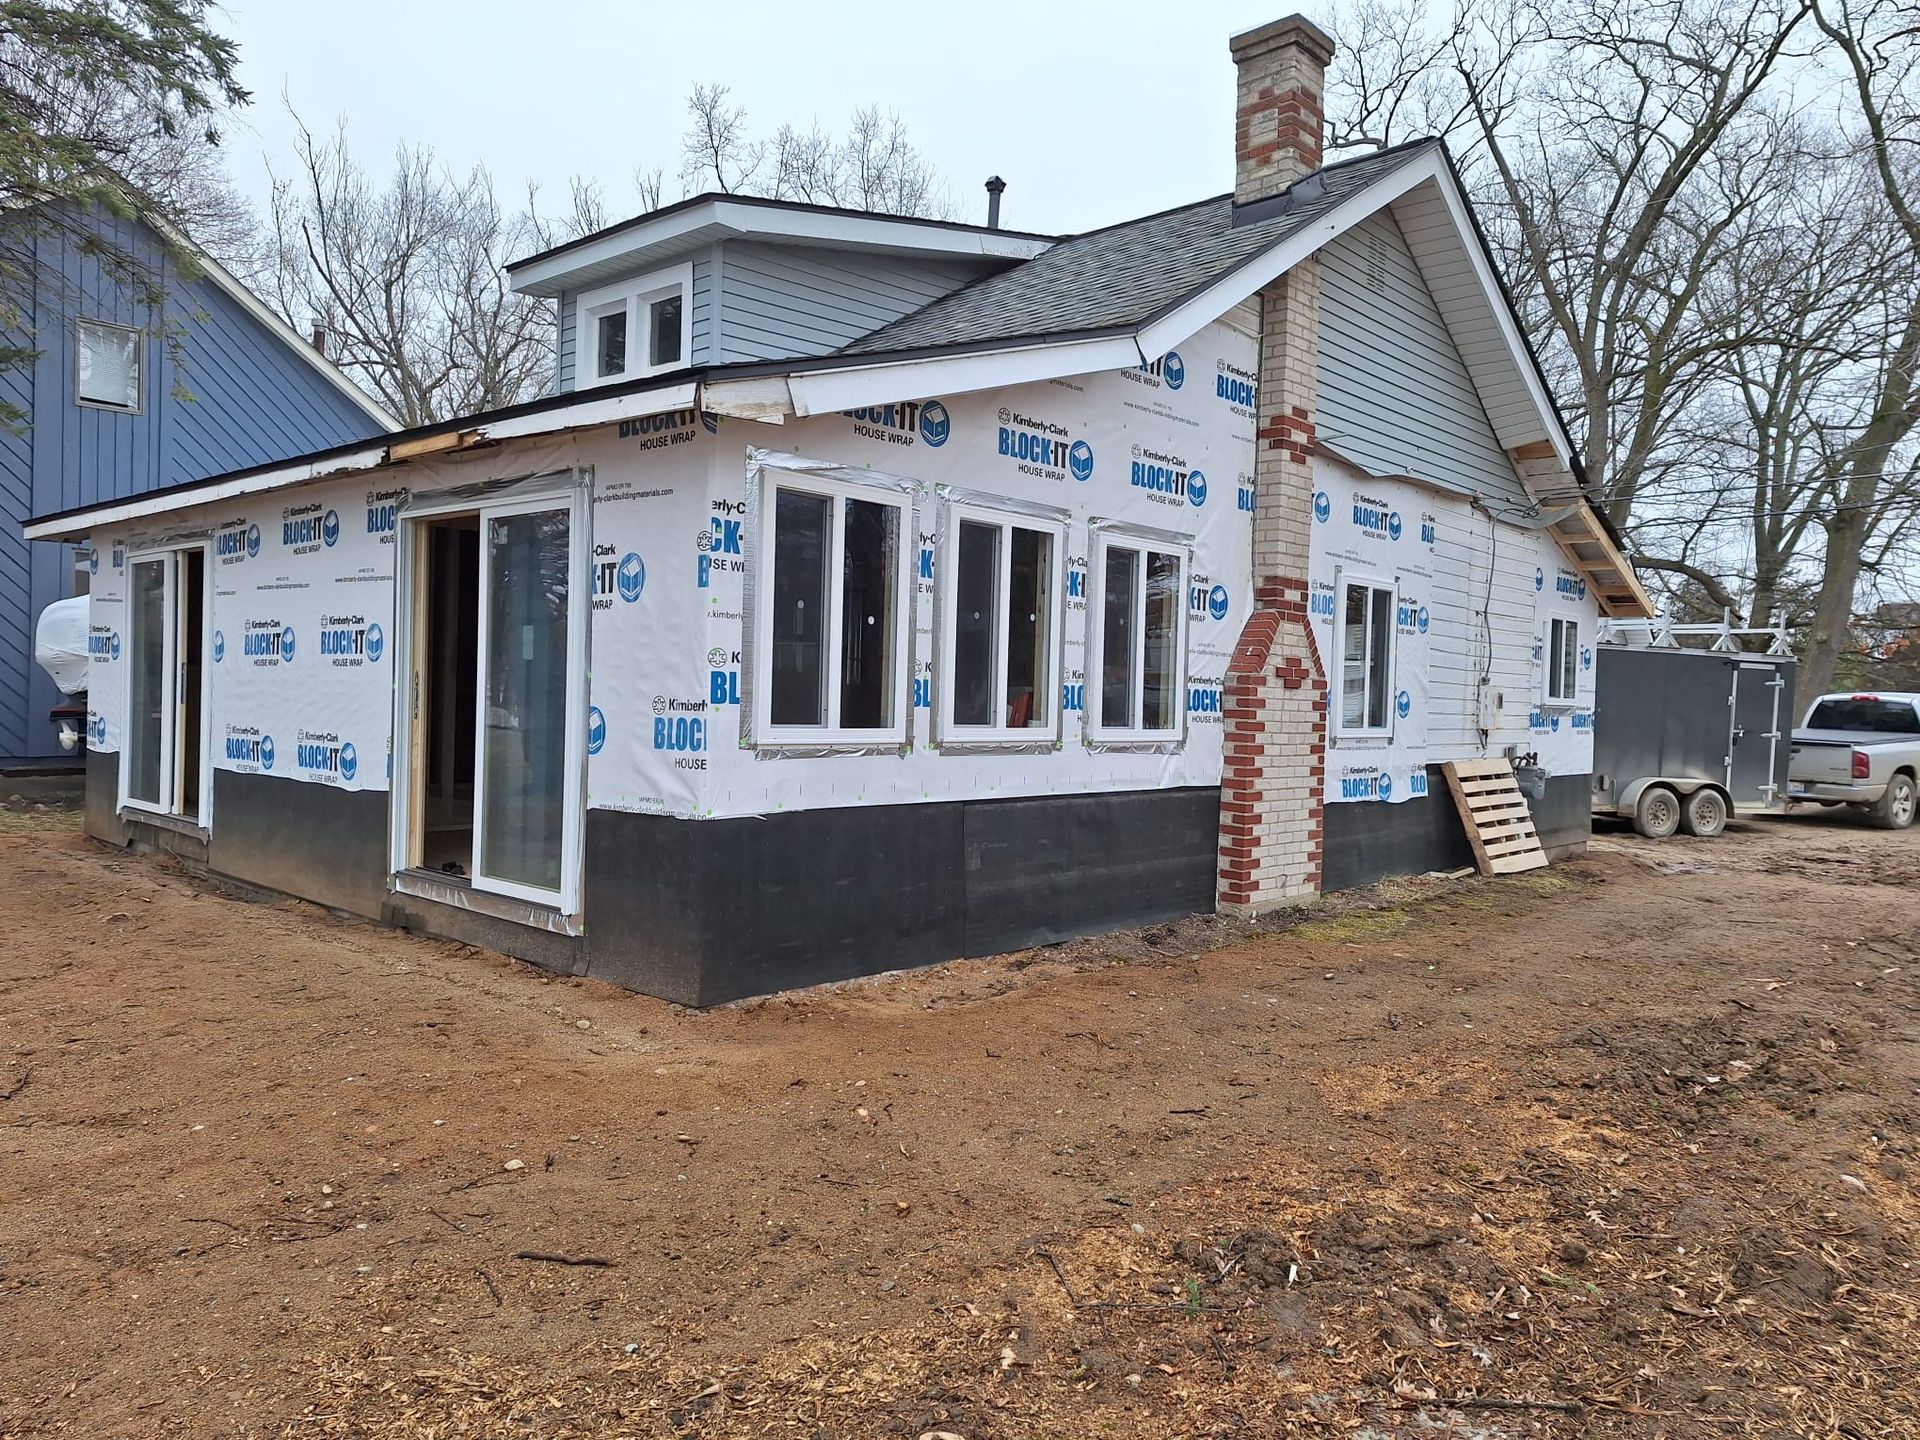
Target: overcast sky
1092, 112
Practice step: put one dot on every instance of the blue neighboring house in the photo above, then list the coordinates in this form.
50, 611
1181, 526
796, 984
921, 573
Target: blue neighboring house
125, 397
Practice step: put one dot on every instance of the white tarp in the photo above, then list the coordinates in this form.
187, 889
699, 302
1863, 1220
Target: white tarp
60, 643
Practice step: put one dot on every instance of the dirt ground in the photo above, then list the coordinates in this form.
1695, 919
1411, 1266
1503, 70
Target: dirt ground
1625, 1148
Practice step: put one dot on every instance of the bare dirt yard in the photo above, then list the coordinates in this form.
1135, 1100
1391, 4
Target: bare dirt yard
1625, 1148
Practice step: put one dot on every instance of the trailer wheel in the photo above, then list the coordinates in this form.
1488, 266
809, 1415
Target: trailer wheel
1704, 814
1657, 814
1895, 810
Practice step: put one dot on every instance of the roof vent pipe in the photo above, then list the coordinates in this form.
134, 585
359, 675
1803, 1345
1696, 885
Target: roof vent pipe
996, 187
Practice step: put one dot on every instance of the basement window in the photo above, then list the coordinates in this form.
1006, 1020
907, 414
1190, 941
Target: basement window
1364, 643
1139, 639
833, 600
1563, 661
632, 329
107, 366
1001, 589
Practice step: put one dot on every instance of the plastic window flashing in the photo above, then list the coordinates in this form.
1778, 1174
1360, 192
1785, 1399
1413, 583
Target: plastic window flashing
950, 734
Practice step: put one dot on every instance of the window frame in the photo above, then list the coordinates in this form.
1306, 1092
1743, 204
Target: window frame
1128, 537
1549, 694
635, 298
139, 405
949, 733
826, 483
1336, 690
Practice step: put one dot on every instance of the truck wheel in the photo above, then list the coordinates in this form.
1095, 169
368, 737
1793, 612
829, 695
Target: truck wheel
1704, 814
1657, 813
1896, 808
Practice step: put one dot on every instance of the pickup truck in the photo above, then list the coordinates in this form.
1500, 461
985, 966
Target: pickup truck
1861, 750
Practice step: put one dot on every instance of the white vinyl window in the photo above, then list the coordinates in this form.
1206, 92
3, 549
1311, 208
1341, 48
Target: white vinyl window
1137, 651
107, 366
633, 329
833, 602
1001, 591
1563, 661
1364, 632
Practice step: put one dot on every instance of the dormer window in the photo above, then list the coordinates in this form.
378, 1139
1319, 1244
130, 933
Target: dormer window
633, 329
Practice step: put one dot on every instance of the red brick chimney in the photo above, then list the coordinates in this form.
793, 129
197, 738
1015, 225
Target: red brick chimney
1274, 777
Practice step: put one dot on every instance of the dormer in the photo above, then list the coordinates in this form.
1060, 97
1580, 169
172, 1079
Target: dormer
728, 279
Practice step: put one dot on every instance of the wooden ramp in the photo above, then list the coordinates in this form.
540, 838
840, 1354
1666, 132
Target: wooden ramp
1499, 825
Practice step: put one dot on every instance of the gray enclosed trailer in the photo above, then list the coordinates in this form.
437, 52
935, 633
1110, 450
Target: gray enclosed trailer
1684, 735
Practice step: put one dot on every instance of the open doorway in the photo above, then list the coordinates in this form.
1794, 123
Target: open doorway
489, 774
165, 766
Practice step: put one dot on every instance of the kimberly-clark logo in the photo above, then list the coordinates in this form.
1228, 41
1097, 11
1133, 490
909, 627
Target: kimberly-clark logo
1393, 526
1080, 460
903, 423
1569, 586
346, 640
1217, 602
330, 529
376, 641
103, 643
266, 752
1196, 488
1236, 387
1169, 370
1375, 517
267, 642
1042, 448
302, 527
219, 646
1403, 704
1322, 507
253, 540
349, 761
596, 729
1539, 578
631, 577
1166, 479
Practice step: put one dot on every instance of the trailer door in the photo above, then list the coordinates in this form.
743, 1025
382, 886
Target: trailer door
1759, 712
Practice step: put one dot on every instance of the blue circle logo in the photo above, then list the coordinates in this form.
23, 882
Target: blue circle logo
1080, 460
1420, 619
349, 761
1586, 657
1322, 507
1173, 370
1217, 602
266, 752
99, 729
631, 577
115, 645
253, 540
935, 423
1403, 702
596, 729
1539, 578
330, 527
219, 646
1386, 787
286, 646
1553, 723
1196, 487
93, 560
376, 641
1393, 526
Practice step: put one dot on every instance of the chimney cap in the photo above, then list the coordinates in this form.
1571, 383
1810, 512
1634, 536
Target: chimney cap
1275, 34
995, 185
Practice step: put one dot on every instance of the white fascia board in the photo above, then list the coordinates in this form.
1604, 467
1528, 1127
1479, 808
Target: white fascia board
225, 281
548, 277
820, 392
588, 413
764, 397
76, 527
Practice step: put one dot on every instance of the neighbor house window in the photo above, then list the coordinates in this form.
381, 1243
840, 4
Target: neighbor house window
1000, 592
833, 600
1365, 648
1563, 660
633, 329
108, 366
1139, 605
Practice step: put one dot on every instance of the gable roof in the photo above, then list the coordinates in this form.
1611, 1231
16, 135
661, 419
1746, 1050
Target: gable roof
1120, 278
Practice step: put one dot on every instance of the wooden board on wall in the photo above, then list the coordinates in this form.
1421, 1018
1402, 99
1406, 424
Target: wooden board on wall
1494, 813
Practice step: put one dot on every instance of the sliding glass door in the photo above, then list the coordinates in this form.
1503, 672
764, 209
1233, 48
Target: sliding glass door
521, 795
489, 780
163, 767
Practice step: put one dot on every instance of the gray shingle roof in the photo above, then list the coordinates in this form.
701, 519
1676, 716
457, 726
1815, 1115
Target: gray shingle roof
1122, 277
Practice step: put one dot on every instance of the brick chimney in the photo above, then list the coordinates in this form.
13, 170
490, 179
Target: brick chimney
1273, 782
1278, 121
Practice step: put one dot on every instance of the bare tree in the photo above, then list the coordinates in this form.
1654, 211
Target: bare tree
406, 278
1875, 41
873, 166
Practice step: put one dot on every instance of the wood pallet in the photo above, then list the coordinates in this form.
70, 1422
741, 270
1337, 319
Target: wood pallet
1498, 823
